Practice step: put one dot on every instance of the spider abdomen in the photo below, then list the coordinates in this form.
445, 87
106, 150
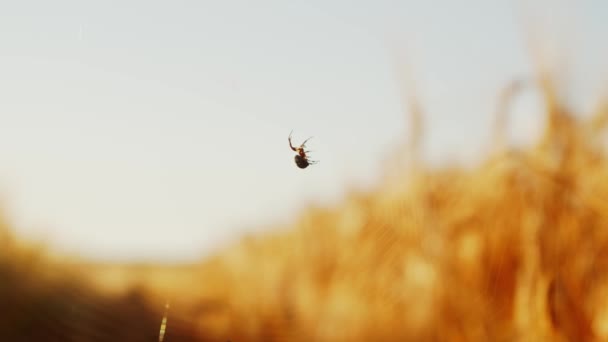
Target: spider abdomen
301, 162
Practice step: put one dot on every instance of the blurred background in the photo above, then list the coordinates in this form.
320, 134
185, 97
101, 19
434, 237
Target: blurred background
154, 133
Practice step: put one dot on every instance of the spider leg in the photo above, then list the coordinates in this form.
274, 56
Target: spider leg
289, 139
305, 141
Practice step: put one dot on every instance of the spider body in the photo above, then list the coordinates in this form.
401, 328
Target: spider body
301, 158
301, 162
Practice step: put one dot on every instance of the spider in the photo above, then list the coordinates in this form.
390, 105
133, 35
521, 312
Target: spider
301, 158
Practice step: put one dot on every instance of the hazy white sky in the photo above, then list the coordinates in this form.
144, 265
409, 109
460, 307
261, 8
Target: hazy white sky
158, 130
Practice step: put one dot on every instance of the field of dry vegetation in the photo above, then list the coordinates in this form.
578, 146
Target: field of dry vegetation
514, 249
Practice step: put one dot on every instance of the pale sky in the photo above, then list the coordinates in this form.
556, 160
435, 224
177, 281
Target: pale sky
148, 130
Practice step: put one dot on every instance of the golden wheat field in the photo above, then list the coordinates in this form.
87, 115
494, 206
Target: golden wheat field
514, 249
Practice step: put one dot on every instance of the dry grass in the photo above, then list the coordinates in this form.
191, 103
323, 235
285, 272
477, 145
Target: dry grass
42, 299
515, 249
